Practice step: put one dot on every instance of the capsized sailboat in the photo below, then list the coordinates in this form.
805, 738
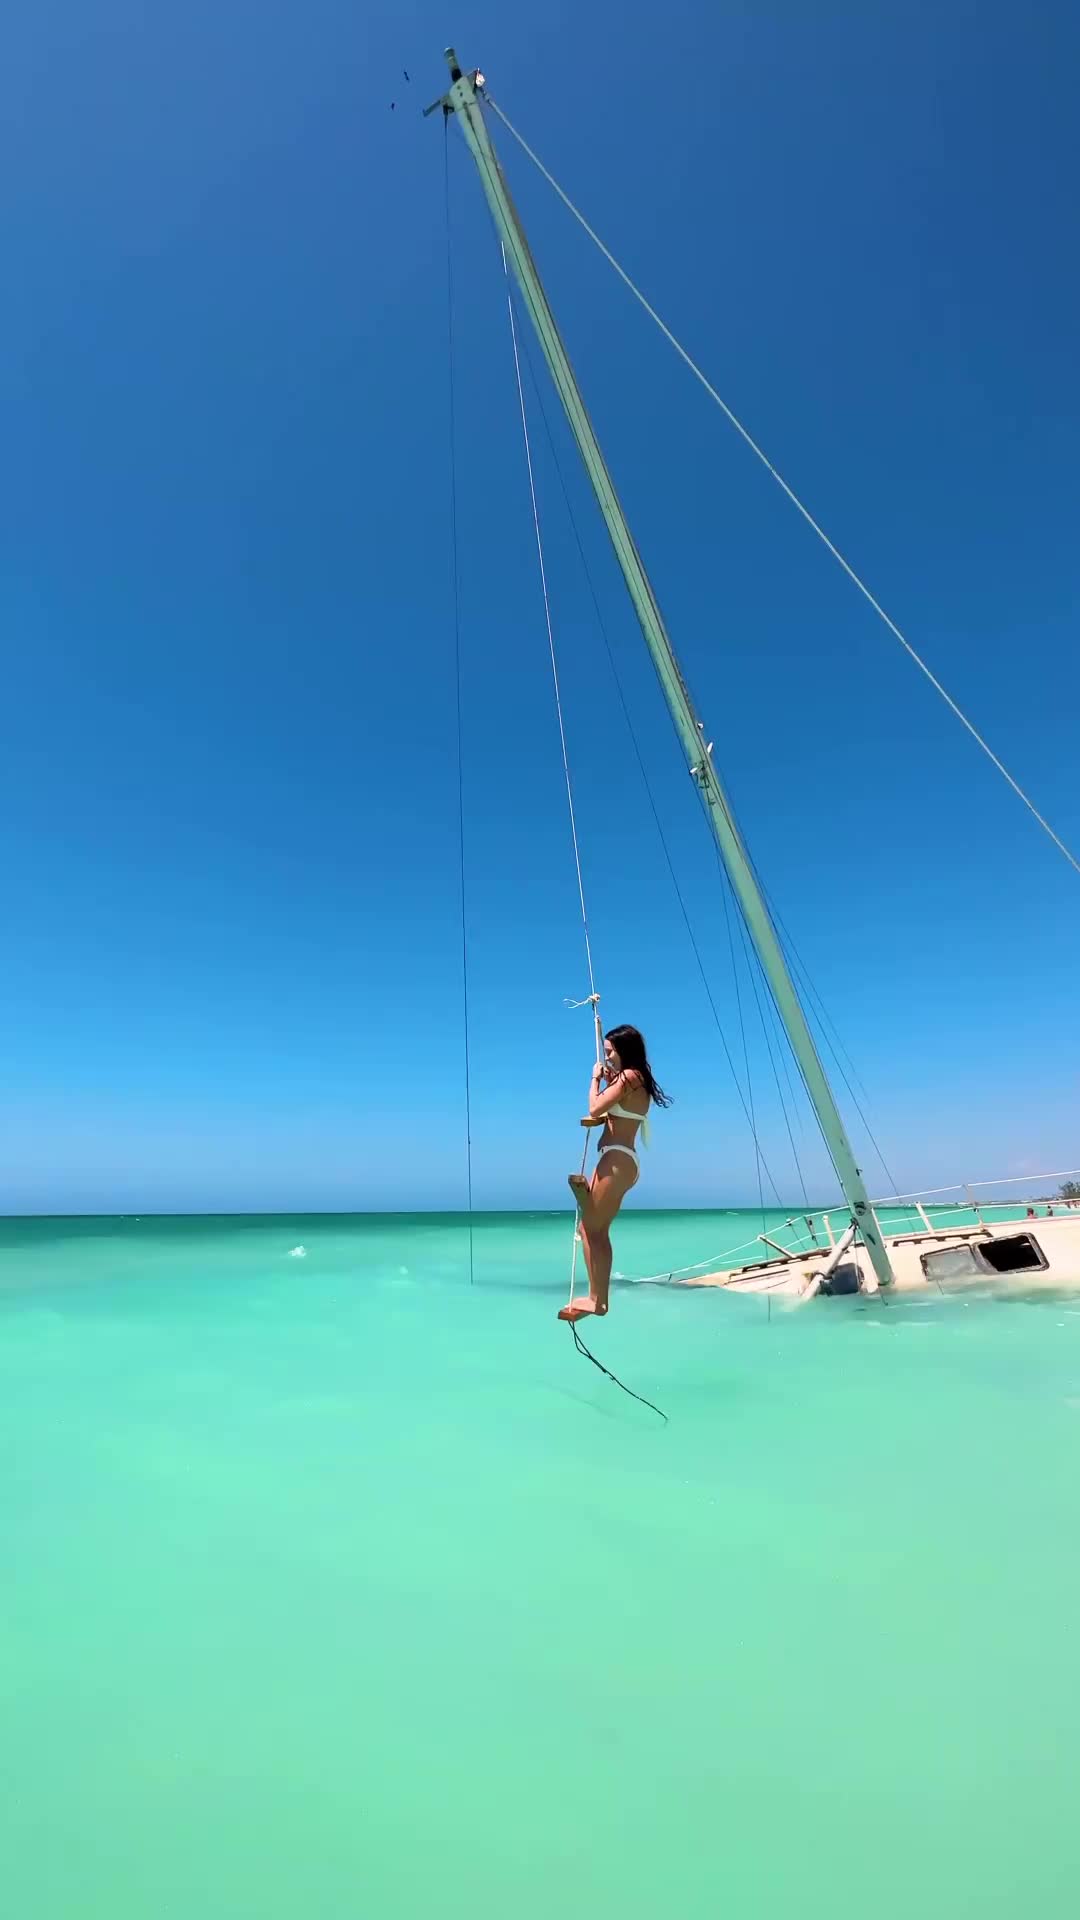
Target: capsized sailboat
862, 1257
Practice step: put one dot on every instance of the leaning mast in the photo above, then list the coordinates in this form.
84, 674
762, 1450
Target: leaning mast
465, 101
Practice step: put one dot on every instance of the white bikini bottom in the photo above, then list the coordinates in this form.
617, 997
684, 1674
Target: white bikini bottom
630, 1152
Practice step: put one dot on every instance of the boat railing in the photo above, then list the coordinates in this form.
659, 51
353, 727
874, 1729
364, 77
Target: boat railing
939, 1212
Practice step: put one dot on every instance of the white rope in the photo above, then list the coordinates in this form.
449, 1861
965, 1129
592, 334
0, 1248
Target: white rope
782, 483
593, 999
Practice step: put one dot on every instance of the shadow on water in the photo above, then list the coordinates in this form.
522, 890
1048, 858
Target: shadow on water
605, 1409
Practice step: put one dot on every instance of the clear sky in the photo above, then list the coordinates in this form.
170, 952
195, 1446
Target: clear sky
231, 955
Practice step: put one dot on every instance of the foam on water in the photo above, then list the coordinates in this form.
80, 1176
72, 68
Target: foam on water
339, 1587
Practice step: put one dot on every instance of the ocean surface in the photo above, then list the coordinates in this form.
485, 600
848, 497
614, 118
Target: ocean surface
335, 1584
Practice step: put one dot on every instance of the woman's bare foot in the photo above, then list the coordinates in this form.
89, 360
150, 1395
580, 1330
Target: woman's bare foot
579, 1308
578, 1186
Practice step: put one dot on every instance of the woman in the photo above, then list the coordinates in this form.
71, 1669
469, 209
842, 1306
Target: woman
620, 1108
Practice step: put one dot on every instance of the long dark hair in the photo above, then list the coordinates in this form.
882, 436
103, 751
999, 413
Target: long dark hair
629, 1044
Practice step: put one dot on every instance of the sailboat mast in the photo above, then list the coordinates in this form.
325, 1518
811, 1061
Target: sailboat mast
465, 101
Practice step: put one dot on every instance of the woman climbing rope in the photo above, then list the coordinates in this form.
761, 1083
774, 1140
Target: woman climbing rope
620, 1106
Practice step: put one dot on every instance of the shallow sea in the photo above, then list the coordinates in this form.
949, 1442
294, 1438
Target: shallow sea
335, 1585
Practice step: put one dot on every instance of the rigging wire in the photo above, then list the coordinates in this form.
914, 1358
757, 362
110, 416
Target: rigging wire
852, 1095
837, 1061
778, 1022
819, 1009
822, 1016
820, 1013
745, 1048
787, 947
753, 966
783, 1047
456, 585
746, 1101
550, 634
789, 491
824, 1022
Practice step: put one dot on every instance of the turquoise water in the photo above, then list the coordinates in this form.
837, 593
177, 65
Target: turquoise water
335, 1586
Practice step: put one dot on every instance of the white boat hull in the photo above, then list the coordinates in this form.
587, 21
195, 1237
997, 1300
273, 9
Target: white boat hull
1015, 1255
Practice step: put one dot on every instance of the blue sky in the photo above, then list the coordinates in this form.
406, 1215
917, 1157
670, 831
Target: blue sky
229, 837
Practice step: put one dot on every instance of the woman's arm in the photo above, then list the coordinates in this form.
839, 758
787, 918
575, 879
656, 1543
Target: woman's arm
602, 1100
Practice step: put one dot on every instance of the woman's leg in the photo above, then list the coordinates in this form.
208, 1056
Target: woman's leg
611, 1183
600, 1198
599, 1268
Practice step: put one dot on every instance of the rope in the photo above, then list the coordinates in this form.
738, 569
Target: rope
575, 1243
456, 578
789, 491
606, 1371
593, 999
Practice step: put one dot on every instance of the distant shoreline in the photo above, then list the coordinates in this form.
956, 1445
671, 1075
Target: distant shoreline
794, 1213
